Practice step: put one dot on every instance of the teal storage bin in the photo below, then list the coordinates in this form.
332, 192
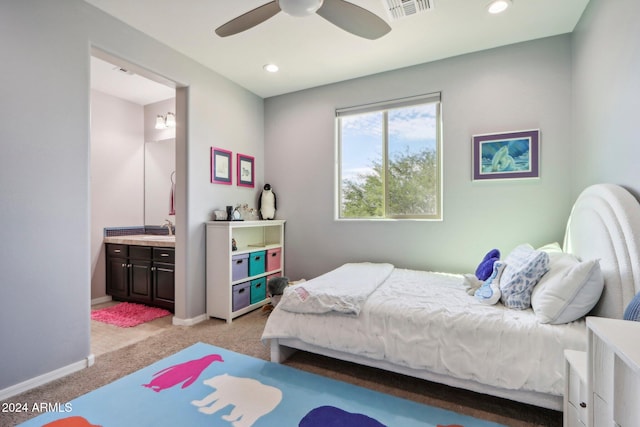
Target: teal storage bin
258, 290
257, 262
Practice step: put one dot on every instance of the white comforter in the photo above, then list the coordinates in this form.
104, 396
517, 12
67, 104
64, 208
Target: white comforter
343, 290
427, 321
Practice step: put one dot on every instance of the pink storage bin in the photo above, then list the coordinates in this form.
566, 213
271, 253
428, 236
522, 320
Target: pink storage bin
273, 259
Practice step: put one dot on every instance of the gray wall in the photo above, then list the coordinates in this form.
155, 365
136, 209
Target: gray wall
523, 86
44, 171
606, 95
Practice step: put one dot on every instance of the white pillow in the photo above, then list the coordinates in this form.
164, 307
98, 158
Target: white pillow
568, 291
551, 248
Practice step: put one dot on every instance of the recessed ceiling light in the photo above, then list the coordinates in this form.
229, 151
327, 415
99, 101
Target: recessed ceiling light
272, 68
498, 6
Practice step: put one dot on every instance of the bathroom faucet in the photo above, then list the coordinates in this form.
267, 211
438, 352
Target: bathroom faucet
169, 226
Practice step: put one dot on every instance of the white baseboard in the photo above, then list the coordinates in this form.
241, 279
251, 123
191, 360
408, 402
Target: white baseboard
189, 322
101, 300
46, 378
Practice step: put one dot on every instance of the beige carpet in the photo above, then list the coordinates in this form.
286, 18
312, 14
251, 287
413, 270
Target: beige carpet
243, 336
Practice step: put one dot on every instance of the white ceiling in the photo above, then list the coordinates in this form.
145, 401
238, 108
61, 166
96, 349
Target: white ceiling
312, 52
114, 80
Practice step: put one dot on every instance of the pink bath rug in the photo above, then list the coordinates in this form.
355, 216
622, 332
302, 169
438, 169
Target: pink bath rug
126, 314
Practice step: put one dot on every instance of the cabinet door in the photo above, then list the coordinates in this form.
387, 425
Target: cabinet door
117, 277
164, 284
140, 280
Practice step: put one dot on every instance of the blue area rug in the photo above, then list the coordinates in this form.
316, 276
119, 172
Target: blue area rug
204, 385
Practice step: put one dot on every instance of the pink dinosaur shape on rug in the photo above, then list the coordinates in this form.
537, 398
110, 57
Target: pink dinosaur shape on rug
187, 372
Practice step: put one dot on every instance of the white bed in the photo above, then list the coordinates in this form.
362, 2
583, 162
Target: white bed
425, 325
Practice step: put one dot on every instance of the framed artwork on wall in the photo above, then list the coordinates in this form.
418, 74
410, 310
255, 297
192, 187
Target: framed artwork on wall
506, 155
220, 166
245, 167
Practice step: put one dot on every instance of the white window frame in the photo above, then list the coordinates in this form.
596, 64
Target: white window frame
383, 107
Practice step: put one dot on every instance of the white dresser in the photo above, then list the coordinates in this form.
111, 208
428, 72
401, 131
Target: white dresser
613, 373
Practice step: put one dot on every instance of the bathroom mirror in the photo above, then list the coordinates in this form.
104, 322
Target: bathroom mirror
159, 181
159, 162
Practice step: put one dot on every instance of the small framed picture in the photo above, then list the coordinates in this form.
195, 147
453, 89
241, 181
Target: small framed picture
245, 167
506, 155
220, 166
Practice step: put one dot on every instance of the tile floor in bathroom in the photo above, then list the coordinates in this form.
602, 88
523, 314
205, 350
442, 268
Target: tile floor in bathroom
106, 338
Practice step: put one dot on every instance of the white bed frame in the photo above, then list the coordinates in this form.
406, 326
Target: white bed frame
604, 224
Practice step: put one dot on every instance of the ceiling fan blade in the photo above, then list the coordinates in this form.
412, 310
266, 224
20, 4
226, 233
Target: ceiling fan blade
354, 19
249, 19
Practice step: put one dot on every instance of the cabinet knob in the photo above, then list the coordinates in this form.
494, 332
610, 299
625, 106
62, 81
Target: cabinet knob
583, 405
124, 265
117, 251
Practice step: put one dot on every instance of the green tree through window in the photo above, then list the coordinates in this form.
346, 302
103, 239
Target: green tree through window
390, 164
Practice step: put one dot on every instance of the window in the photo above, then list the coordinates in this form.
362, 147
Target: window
389, 160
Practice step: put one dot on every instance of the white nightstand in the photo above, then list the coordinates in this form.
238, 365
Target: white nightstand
613, 372
575, 389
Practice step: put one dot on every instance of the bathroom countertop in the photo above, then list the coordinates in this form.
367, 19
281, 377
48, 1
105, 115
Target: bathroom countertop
143, 240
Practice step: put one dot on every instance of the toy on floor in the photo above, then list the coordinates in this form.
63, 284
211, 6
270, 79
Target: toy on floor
275, 289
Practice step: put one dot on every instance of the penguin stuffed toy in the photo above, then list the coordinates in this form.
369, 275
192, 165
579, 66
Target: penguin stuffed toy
267, 203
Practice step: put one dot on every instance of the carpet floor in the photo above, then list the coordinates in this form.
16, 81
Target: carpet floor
243, 336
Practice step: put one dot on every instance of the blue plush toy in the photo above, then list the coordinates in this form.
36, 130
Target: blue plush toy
489, 293
485, 268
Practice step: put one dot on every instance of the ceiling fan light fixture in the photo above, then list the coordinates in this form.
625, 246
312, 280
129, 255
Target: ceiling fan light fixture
498, 6
300, 7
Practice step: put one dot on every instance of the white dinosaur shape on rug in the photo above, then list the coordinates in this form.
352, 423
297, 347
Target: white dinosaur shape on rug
250, 399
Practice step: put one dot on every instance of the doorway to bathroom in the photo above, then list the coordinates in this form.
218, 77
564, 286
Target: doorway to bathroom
132, 169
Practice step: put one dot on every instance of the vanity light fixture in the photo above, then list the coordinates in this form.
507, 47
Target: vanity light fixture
164, 122
170, 120
498, 6
272, 68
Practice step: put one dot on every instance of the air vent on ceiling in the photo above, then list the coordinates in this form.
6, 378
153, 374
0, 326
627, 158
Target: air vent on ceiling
403, 8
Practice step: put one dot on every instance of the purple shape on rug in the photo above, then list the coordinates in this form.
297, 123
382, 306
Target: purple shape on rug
187, 372
324, 416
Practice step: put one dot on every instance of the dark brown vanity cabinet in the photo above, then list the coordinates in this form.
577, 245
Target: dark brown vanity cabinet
142, 274
163, 272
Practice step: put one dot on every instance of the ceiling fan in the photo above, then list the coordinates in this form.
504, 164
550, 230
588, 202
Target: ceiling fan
348, 16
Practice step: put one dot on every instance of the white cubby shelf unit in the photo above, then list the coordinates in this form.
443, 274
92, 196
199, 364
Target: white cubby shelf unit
251, 237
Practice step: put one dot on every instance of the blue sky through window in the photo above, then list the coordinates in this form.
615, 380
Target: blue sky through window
411, 129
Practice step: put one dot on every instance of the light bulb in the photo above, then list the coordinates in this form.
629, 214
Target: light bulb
160, 124
171, 120
498, 6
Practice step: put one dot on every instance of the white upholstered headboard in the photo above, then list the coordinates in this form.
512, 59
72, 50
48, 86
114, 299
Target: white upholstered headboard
605, 225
